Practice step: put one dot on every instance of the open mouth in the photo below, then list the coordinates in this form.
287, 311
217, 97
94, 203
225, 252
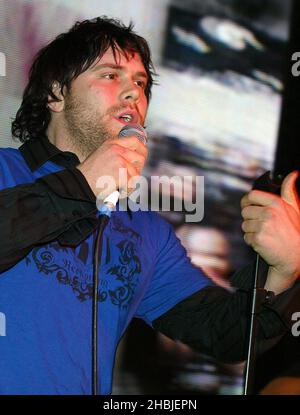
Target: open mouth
126, 117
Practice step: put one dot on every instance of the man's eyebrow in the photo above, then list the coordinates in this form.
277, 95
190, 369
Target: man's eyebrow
119, 67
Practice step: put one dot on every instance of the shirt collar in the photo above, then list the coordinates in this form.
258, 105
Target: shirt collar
37, 151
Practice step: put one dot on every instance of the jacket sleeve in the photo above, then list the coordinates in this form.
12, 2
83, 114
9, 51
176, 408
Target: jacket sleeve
60, 206
216, 321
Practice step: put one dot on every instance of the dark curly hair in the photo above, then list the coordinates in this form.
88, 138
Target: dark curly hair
64, 59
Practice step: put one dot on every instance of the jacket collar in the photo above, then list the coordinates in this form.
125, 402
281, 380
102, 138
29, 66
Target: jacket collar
36, 152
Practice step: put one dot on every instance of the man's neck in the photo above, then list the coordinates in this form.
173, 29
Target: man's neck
58, 136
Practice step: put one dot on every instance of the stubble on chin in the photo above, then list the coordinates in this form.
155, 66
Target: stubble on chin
86, 128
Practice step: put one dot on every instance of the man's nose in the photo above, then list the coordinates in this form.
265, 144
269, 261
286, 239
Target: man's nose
130, 93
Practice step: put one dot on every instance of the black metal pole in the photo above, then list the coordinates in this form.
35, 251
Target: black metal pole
266, 184
261, 271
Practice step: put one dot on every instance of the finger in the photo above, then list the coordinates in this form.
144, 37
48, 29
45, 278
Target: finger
288, 190
249, 238
259, 198
129, 168
134, 158
251, 226
253, 212
132, 143
125, 175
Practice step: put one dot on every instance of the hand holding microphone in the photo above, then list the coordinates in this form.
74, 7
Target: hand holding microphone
139, 132
271, 224
272, 227
128, 152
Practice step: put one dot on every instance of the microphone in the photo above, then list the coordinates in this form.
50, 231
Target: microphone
134, 129
138, 131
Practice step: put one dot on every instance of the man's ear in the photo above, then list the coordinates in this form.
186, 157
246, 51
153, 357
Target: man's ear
53, 105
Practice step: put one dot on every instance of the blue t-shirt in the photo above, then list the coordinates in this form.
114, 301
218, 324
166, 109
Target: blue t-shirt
46, 297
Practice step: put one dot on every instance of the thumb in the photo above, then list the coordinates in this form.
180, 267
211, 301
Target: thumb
289, 192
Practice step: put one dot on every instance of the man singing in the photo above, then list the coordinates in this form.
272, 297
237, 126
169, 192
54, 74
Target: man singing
83, 88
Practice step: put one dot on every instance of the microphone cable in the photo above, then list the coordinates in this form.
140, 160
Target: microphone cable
104, 216
103, 221
108, 207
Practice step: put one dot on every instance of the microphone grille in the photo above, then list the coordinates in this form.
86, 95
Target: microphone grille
134, 129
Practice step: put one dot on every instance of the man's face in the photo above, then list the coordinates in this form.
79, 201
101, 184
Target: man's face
104, 98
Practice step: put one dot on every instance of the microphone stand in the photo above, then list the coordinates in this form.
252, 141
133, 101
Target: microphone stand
272, 185
260, 275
